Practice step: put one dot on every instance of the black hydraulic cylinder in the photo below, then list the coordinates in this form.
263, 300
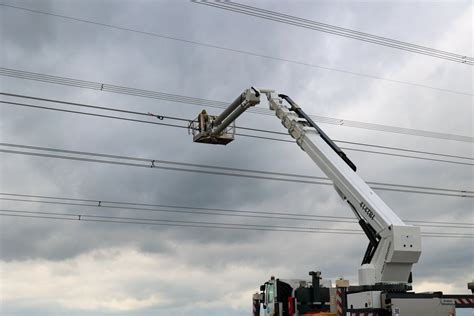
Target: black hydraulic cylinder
373, 241
295, 108
369, 231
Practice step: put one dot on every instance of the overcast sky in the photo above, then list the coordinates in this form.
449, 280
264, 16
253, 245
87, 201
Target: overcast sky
54, 267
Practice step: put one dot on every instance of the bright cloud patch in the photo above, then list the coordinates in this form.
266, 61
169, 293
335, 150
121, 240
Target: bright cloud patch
124, 280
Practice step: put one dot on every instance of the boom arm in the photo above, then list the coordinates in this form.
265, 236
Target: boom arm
393, 246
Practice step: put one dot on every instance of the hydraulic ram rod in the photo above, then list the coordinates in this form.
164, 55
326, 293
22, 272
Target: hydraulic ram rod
250, 97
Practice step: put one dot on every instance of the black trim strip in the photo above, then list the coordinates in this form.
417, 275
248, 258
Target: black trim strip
295, 108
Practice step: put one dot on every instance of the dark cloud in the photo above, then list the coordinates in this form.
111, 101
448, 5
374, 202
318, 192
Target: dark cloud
56, 46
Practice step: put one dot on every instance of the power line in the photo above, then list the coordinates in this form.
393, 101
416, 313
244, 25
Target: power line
197, 211
405, 150
102, 202
161, 117
225, 171
322, 229
92, 114
351, 31
118, 221
239, 51
219, 104
331, 29
175, 209
161, 222
233, 169
375, 152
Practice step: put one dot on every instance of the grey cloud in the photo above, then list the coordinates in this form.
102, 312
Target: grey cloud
76, 50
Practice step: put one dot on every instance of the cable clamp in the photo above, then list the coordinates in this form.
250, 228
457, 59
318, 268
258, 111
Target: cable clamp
100, 204
160, 117
79, 217
102, 87
152, 164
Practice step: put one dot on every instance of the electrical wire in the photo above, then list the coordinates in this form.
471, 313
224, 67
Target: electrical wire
348, 30
239, 51
102, 202
175, 209
92, 114
221, 105
193, 211
161, 117
150, 221
307, 24
225, 171
252, 171
86, 219
189, 222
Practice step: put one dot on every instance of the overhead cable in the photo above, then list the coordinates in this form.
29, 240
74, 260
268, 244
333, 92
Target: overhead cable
101, 202
221, 105
198, 224
83, 215
331, 29
192, 210
238, 51
351, 31
225, 171
289, 140
244, 170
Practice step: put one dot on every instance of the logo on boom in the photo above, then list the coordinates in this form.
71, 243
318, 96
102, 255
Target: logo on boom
367, 210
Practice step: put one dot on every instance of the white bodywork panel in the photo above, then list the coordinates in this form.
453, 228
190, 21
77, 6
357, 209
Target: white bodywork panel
421, 307
369, 299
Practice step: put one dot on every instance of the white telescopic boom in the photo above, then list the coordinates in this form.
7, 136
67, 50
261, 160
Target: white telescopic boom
393, 246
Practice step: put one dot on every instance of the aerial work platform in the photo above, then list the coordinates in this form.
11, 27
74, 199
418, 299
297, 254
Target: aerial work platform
220, 129
201, 129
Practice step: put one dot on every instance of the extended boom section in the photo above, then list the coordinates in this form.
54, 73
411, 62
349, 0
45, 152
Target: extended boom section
393, 246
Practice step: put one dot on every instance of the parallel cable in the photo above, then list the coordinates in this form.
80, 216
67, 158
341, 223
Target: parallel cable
118, 221
307, 24
322, 229
161, 117
92, 114
175, 209
245, 170
101, 202
239, 51
225, 171
201, 211
150, 221
350, 31
222, 105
